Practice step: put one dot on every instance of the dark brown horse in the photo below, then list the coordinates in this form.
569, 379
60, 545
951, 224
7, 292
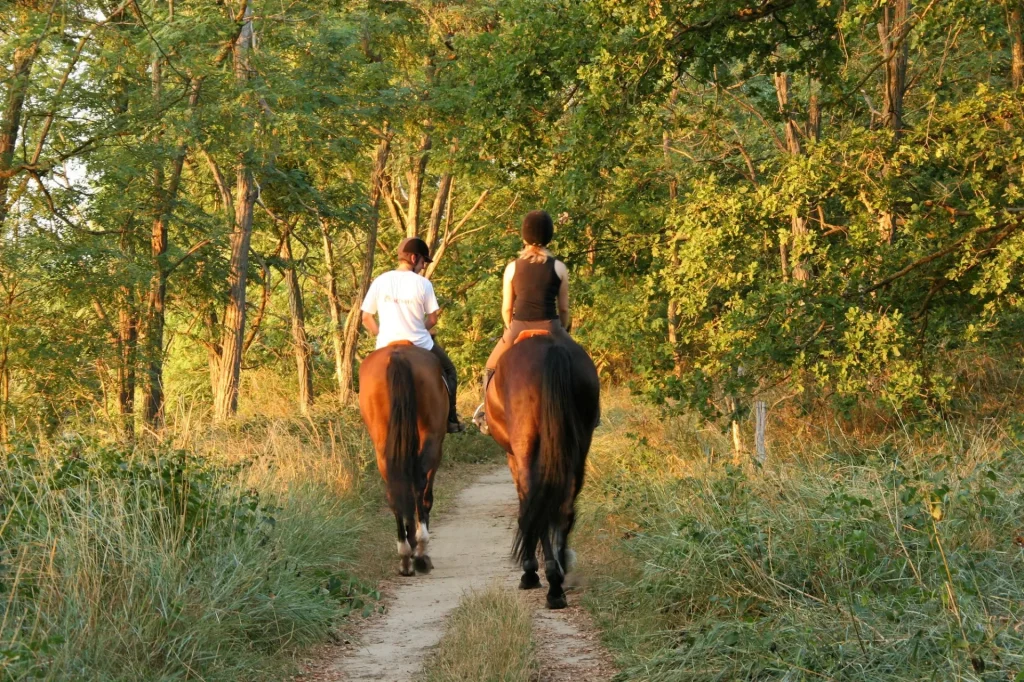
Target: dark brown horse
542, 407
405, 408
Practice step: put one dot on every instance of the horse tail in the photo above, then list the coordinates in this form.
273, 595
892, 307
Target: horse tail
553, 470
403, 442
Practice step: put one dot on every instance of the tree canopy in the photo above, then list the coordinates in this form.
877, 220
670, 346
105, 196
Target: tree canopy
783, 197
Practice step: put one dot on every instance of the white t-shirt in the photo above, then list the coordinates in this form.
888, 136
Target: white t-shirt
402, 300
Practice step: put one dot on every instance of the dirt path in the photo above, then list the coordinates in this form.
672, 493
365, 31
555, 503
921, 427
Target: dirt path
470, 548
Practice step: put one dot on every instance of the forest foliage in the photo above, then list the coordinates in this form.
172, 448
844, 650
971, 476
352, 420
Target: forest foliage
779, 197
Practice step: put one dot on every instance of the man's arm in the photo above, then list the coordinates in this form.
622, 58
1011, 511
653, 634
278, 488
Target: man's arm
370, 323
369, 309
508, 294
430, 308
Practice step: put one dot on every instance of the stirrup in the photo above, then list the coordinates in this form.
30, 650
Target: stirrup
480, 419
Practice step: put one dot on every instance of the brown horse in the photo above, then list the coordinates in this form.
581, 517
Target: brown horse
404, 403
542, 406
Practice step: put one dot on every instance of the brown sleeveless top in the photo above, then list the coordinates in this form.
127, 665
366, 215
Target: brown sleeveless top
536, 286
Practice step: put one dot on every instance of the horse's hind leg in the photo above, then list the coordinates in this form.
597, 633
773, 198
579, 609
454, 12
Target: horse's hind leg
404, 548
530, 579
521, 475
421, 560
553, 572
428, 461
566, 557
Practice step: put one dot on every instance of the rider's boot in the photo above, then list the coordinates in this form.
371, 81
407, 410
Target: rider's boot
454, 425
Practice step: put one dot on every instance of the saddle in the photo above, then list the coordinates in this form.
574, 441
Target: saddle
529, 334
405, 342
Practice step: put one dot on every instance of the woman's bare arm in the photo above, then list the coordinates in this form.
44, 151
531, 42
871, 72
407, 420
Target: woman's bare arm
563, 295
508, 294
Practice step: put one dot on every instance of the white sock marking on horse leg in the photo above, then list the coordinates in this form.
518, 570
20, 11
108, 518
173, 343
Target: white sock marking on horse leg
422, 538
404, 550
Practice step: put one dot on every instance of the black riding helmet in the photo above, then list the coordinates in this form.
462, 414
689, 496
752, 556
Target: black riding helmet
537, 228
414, 246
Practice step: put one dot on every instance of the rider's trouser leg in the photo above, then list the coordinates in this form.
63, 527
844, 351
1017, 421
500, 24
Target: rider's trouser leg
451, 378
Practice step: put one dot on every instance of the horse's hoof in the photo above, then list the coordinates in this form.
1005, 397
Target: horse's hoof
557, 602
529, 581
423, 564
405, 568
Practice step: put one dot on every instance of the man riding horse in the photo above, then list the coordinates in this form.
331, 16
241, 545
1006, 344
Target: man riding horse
405, 302
402, 397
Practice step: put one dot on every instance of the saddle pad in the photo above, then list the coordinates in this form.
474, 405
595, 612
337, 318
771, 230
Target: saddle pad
529, 334
401, 342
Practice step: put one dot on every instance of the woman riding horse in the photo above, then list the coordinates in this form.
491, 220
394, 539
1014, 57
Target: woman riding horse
403, 398
542, 405
535, 296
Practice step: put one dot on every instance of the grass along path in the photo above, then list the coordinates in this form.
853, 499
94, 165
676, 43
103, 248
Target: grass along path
844, 558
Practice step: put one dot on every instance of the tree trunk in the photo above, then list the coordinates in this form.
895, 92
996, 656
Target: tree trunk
213, 349
1017, 43
5, 394
813, 116
333, 303
226, 400
17, 90
438, 210
732, 404
154, 335
793, 252
453, 234
5, 367
591, 250
672, 314
416, 175
156, 304
128, 337
895, 52
352, 324
303, 352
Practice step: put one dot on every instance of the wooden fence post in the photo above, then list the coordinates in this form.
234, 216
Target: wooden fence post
760, 426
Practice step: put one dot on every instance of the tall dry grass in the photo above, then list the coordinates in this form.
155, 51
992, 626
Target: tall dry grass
213, 554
